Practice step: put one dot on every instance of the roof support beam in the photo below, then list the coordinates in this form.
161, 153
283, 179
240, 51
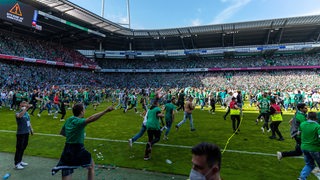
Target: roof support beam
280, 36
282, 29
183, 45
222, 36
192, 43
269, 32
318, 37
268, 37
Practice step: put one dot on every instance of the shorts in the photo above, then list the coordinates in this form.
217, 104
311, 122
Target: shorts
72, 157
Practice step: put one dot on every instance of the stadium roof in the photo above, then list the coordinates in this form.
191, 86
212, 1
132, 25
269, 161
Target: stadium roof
272, 31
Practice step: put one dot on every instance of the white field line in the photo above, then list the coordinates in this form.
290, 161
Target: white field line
143, 143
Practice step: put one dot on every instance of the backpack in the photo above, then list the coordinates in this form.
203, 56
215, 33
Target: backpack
294, 129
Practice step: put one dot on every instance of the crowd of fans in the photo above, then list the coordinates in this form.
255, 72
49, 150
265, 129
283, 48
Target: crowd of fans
28, 75
214, 62
23, 46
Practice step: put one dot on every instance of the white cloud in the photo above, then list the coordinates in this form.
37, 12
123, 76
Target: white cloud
124, 20
228, 12
313, 12
196, 22
120, 19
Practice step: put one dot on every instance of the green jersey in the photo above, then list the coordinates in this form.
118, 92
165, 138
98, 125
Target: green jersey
86, 95
19, 97
264, 104
169, 107
292, 98
300, 118
74, 130
152, 118
310, 131
298, 98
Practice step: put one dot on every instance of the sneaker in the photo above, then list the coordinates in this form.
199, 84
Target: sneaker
61, 119
262, 130
38, 115
146, 157
163, 128
165, 138
193, 129
130, 142
279, 155
19, 166
257, 121
272, 137
315, 170
281, 139
224, 118
55, 117
24, 163
269, 130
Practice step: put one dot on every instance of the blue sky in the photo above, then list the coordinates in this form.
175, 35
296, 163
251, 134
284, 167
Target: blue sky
160, 14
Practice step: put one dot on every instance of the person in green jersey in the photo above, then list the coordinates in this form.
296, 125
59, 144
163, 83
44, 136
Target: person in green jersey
310, 144
45, 104
74, 153
298, 98
133, 102
292, 105
86, 97
153, 127
264, 104
169, 116
299, 117
286, 101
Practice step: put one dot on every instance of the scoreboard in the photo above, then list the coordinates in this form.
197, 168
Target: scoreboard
18, 12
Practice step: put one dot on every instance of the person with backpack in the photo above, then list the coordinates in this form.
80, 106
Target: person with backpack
310, 144
299, 117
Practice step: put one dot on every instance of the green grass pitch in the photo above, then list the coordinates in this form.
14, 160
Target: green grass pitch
249, 154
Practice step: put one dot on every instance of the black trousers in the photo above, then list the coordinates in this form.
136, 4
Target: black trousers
275, 128
296, 152
22, 143
235, 118
153, 137
228, 111
34, 106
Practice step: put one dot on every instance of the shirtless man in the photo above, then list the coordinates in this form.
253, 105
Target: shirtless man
188, 108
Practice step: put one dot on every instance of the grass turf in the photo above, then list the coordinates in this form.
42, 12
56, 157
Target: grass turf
121, 126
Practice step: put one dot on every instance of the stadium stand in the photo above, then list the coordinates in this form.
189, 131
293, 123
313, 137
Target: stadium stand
23, 46
218, 62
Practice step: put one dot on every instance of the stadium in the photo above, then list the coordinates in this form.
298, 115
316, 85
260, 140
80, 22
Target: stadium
55, 49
